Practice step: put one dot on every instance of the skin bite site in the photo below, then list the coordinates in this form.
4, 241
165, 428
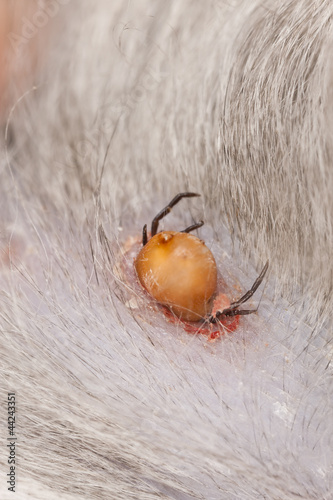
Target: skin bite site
179, 272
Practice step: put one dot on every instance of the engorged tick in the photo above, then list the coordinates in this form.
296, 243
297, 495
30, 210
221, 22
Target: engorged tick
179, 271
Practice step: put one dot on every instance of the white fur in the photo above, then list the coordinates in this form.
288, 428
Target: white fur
137, 102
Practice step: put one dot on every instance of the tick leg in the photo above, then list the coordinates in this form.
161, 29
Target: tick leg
230, 312
193, 227
144, 235
235, 312
167, 209
211, 319
249, 294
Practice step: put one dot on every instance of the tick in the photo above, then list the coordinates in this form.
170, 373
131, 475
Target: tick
179, 271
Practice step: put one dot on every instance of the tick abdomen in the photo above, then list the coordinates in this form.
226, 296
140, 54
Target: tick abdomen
179, 271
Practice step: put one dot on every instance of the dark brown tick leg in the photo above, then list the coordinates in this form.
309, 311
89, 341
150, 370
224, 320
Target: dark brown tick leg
193, 227
144, 235
233, 309
167, 209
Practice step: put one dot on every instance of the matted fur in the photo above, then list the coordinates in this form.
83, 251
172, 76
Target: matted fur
139, 101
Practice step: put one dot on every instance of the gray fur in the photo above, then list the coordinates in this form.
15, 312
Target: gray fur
137, 102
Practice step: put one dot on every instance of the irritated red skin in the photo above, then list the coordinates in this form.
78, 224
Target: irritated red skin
225, 324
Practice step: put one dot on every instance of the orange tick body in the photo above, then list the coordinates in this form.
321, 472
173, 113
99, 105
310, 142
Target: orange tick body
179, 271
